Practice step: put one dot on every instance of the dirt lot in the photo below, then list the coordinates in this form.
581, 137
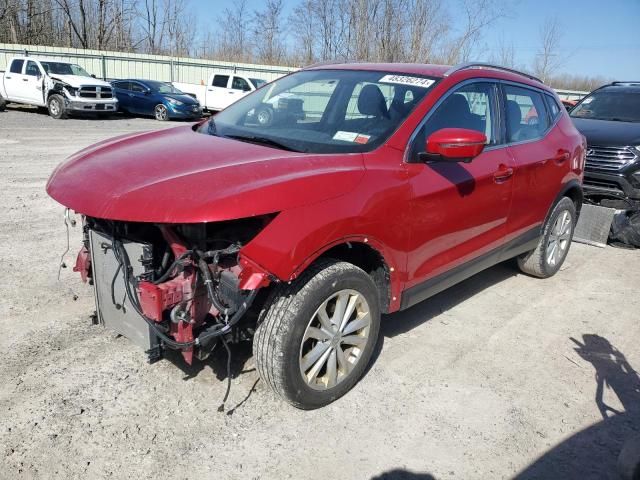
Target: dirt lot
481, 382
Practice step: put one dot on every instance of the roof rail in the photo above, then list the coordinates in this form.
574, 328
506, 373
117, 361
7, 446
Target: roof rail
488, 66
628, 83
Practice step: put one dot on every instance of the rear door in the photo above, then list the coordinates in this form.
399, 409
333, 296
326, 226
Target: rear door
459, 210
218, 91
141, 101
538, 149
32, 80
13, 83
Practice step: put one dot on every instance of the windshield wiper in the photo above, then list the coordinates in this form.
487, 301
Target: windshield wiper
262, 141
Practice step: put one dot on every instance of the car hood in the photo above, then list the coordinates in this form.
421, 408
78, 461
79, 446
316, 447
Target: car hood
78, 81
607, 133
181, 176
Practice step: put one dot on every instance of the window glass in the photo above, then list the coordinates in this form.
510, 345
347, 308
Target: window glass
526, 114
220, 81
323, 111
32, 69
471, 106
136, 87
16, 66
554, 108
257, 82
240, 83
617, 104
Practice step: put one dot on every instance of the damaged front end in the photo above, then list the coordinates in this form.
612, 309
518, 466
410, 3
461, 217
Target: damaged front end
184, 287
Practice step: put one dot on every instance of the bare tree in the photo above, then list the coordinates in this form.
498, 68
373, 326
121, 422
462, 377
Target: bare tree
504, 54
268, 36
548, 58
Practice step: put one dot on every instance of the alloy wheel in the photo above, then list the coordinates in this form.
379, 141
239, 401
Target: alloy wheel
334, 339
559, 239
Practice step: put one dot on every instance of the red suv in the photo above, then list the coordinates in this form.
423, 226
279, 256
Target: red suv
395, 182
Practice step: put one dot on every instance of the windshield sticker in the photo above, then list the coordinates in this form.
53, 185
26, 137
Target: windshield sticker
588, 101
345, 136
413, 81
362, 139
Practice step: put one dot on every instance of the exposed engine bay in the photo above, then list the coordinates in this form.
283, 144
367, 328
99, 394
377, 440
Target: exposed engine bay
184, 287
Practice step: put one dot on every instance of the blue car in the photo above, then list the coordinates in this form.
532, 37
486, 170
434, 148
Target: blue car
159, 99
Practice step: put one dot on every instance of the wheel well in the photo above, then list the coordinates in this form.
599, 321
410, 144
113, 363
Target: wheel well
575, 194
368, 259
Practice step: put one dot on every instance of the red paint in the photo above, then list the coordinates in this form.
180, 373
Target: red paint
423, 219
83, 264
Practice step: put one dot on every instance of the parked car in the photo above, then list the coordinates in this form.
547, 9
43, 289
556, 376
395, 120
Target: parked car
62, 87
222, 90
609, 117
400, 181
159, 99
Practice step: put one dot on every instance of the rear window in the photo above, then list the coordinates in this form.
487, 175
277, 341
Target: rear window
220, 81
16, 66
526, 114
617, 106
554, 108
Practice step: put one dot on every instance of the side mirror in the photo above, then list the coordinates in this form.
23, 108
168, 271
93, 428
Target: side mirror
453, 145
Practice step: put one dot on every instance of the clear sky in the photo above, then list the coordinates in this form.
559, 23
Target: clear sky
600, 37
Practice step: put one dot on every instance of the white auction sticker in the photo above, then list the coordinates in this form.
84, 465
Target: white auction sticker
413, 81
345, 136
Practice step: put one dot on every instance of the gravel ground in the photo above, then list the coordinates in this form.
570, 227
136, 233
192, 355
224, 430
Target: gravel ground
482, 381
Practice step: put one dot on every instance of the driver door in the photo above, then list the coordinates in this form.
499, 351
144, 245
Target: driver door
459, 210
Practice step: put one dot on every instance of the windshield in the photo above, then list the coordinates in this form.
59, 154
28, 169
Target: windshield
621, 106
257, 82
323, 111
163, 87
59, 68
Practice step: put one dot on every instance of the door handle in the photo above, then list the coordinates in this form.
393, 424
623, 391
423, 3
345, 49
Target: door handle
8, 78
503, 174
25, 79
231, 93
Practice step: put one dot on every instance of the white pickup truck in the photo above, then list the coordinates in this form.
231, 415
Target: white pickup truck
62, 87
222, 90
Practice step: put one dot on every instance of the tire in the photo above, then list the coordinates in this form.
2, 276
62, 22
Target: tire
3, 104
161, 113
55, 105
264, 116
544, 261
287, 351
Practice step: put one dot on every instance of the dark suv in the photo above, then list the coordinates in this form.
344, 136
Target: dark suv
609, 117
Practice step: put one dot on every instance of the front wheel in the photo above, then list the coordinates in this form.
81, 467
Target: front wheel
549, 255
161, 113
316, 335
56, 107
3, 104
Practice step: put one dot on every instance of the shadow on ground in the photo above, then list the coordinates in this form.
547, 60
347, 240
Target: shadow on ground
593, 452
400, 474
402, 322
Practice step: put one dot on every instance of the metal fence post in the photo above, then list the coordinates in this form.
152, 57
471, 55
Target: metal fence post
171, 65
104, 68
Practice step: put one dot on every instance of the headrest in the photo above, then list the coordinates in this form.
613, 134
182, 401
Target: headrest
372, 102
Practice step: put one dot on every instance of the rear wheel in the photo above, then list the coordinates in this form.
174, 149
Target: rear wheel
316, 335
56, 107
161, 113
549, 255
3, 104
264, 116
